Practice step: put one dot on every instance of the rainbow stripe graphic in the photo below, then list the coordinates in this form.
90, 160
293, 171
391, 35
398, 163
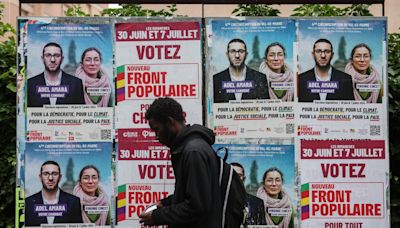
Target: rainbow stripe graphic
121, 83
121, 203
305, 201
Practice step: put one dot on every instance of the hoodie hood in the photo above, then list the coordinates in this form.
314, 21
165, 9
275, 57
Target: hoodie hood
190, 130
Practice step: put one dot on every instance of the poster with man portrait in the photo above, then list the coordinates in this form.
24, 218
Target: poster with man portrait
69, 183
342, 78
250, 77
268, 174
69, 82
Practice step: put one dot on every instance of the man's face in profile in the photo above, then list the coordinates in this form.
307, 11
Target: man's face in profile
52, 58
322, 54
237, 54
50, 176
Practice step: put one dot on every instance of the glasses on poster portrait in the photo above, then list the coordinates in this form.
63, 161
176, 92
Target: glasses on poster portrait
90, 178
49, 56
48, 174
325, 51
234, 52
361, 57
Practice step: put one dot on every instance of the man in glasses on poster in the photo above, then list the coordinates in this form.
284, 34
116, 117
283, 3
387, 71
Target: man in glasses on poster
51, 205
323, 82
54, 86
239, 82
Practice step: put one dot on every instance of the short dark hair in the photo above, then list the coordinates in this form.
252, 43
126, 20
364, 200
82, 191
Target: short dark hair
88, 167
50, 162
52, 44
358, 46
322, 40
272, 169
274, 44
90, 49
165, 107
236, 40
237, 165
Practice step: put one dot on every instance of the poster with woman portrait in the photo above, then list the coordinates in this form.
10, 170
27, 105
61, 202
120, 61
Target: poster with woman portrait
68, 183
268, 174
342, 78
69, 82
250, 77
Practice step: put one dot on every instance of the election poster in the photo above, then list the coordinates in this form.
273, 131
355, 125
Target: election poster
268, 173
344, 183
69, 82
250, 77
153, 59
80, 171
341, 84
342, 123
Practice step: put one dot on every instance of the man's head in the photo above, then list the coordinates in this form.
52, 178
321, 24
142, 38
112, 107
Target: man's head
239, 170
236, 53
166, 119
322, 53
50, 175
52, 57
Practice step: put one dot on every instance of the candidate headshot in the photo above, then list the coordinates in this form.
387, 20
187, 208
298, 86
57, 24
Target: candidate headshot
65, 208
239, 82
92, 195
255, 214
366, 78
324, 82
279, 75
96, 83
275, 197
54, 86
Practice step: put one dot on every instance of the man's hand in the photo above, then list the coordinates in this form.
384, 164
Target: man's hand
159, 204
146, 218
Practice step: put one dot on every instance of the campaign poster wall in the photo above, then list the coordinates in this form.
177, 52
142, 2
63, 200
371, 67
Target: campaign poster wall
76, 103
250, 77
153, 59
269, 170
342, 123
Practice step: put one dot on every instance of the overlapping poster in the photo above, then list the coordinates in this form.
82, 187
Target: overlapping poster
268, 173
153, 59
69, 82
250, 77
69, 121
342, 123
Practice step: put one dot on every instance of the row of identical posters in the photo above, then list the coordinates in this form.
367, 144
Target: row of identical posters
67, 118
153, 59
300, 106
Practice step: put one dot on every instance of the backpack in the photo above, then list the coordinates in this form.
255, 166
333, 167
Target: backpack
233, 193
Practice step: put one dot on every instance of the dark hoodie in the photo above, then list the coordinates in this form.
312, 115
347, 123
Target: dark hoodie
196, 201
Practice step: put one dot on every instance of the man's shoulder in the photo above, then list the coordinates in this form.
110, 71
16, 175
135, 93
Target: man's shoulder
70, 77
308, 73
250, 71
38, 77
254, 198
341, 74
34, 197
221, 74
68, 196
